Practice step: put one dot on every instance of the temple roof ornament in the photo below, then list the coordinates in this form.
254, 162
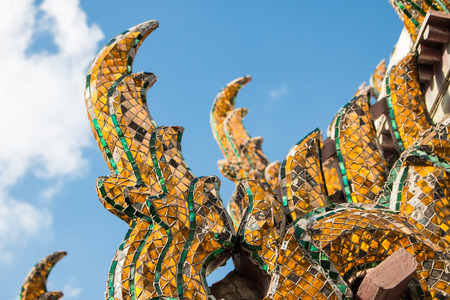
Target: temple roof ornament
309, 227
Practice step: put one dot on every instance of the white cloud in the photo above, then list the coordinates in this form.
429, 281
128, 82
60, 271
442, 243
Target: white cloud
70, 291
278, 93
44, 126
47, 193
19, 221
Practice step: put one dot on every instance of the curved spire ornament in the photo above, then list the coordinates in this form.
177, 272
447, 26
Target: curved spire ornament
244, 158
292, 234
179, 229
413, 12
35, 285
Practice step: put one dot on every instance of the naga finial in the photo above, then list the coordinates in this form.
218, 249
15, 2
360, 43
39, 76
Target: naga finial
35, 285
179, 229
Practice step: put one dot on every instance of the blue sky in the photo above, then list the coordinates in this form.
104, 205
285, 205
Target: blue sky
306, 59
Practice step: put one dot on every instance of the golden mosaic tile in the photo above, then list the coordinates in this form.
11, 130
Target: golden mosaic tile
115, 106
244, 158
262, 225
407, 109
418, 186
179, 229
413, 12
297, 276
331, 176
360, 161
34, 286
286, 218
376, 80
271, 174
355, 238
302, 180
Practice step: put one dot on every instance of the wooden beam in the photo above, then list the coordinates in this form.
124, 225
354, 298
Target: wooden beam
390, 278
428, 55
436, 19
378, 109
328, 150
436, 34
425, 73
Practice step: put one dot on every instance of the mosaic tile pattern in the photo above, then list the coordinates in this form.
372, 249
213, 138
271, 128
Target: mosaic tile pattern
425, 202
298, 276
329, 247
302, 180
376, 80
122, 128
262, 225
179, 229
343, 241
408, 113
362, 88
351, 238
333, 178
418, 186
244, 158
286, 219
271, 174
361, 164
436, 141
331, 175
34, 286
235, 211
413, 12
